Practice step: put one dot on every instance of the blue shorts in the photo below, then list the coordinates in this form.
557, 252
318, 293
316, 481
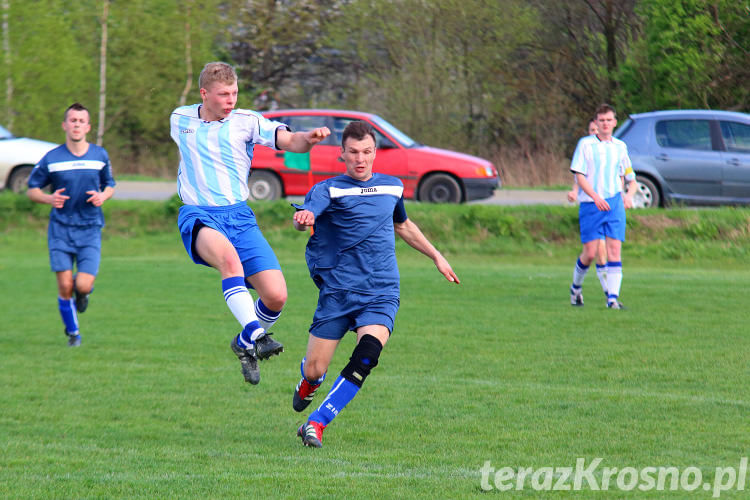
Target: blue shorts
237, 223
79, 244
339, 311
596, 224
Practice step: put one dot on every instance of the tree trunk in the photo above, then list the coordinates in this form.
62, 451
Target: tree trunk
7, 61
188, 60
102, 74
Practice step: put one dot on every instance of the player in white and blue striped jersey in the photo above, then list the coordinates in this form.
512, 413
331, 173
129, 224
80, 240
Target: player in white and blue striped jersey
218, 228
352, 259
600, 162
80, 176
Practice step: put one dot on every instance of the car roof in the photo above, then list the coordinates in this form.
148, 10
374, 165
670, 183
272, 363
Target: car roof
692, 113
318, 111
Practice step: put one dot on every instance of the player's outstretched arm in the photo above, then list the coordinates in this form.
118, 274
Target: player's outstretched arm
411, 234
303, 219
300, 142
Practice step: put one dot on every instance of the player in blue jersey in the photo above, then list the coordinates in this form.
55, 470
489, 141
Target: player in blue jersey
352, 259
600, 162
218, 228
81, 179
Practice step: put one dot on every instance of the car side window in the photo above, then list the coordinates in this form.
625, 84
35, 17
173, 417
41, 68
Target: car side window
340, 123
684, 134
736, 136
308, 122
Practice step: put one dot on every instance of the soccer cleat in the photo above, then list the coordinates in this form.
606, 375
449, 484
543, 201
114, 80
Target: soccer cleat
303, 394
614, 304
576, 297
311, 434
73, 340
82, 301
249, 362
265, 346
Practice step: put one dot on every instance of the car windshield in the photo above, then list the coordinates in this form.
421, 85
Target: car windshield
399, 136
623, 128
4, 134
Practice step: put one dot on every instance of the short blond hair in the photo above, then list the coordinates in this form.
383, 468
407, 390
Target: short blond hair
216, 72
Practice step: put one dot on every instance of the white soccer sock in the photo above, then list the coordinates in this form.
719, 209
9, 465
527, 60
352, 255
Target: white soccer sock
614, 279
601, 273
579, 272
240, 302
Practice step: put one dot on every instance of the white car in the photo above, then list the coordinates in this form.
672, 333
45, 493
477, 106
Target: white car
18, 155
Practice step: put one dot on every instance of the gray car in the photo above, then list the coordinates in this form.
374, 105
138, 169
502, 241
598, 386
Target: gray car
18, 155
696, 157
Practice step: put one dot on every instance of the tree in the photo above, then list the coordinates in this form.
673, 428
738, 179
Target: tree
7, 59
103, 73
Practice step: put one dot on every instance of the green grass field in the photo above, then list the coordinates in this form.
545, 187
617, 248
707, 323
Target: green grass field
499, 369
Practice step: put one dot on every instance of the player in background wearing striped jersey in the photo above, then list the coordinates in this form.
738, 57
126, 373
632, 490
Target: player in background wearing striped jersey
599, 163
81, 179
352, 260
601, 251
218, 228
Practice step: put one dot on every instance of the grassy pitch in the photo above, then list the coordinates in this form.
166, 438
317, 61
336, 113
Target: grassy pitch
499, 371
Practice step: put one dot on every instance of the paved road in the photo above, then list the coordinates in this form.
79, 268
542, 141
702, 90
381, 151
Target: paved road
144, 190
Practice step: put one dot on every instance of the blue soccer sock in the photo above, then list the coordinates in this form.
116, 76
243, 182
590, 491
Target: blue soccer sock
68, 314
266, 316
341, 393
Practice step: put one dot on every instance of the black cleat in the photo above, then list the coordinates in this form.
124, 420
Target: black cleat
82, 301
249, 362
576, 297
265, 346
616, 305
303, 394
311, 434
73, 340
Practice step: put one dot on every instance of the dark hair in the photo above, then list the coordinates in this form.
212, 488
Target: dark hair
604, 108
76, 106
358, 130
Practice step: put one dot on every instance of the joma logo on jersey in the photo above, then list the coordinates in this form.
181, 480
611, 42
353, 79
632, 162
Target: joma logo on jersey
187, 131
369, 190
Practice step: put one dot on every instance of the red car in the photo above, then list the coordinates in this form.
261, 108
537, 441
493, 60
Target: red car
428, 174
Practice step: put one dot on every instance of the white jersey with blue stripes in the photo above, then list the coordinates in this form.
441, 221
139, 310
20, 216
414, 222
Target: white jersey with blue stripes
603, 163
215, 156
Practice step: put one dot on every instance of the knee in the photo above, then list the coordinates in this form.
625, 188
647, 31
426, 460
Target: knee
364, 359
65, 289
275, 299
314, 369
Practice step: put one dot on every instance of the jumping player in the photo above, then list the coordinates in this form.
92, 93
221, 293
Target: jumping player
599, 163
218, 228
81, 179
352, 259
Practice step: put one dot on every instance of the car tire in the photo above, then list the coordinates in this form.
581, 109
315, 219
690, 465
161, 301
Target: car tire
19, 179
440, 188
264, 186
647, 195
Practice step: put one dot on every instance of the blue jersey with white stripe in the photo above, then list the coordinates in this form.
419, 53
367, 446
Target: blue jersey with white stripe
215, 156
77, 174
603, 163
353, 244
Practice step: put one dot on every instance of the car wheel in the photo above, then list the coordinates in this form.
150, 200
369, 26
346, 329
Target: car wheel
264, 186
440, 188
19, 179
647, 195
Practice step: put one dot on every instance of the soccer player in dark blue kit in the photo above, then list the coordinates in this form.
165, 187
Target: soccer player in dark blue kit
352, 259
81, 178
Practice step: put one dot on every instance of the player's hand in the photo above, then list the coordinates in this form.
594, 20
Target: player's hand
303, 218
316, 135
58, 199
572, 196
445, 269
96, 198
628, 201
601, 203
